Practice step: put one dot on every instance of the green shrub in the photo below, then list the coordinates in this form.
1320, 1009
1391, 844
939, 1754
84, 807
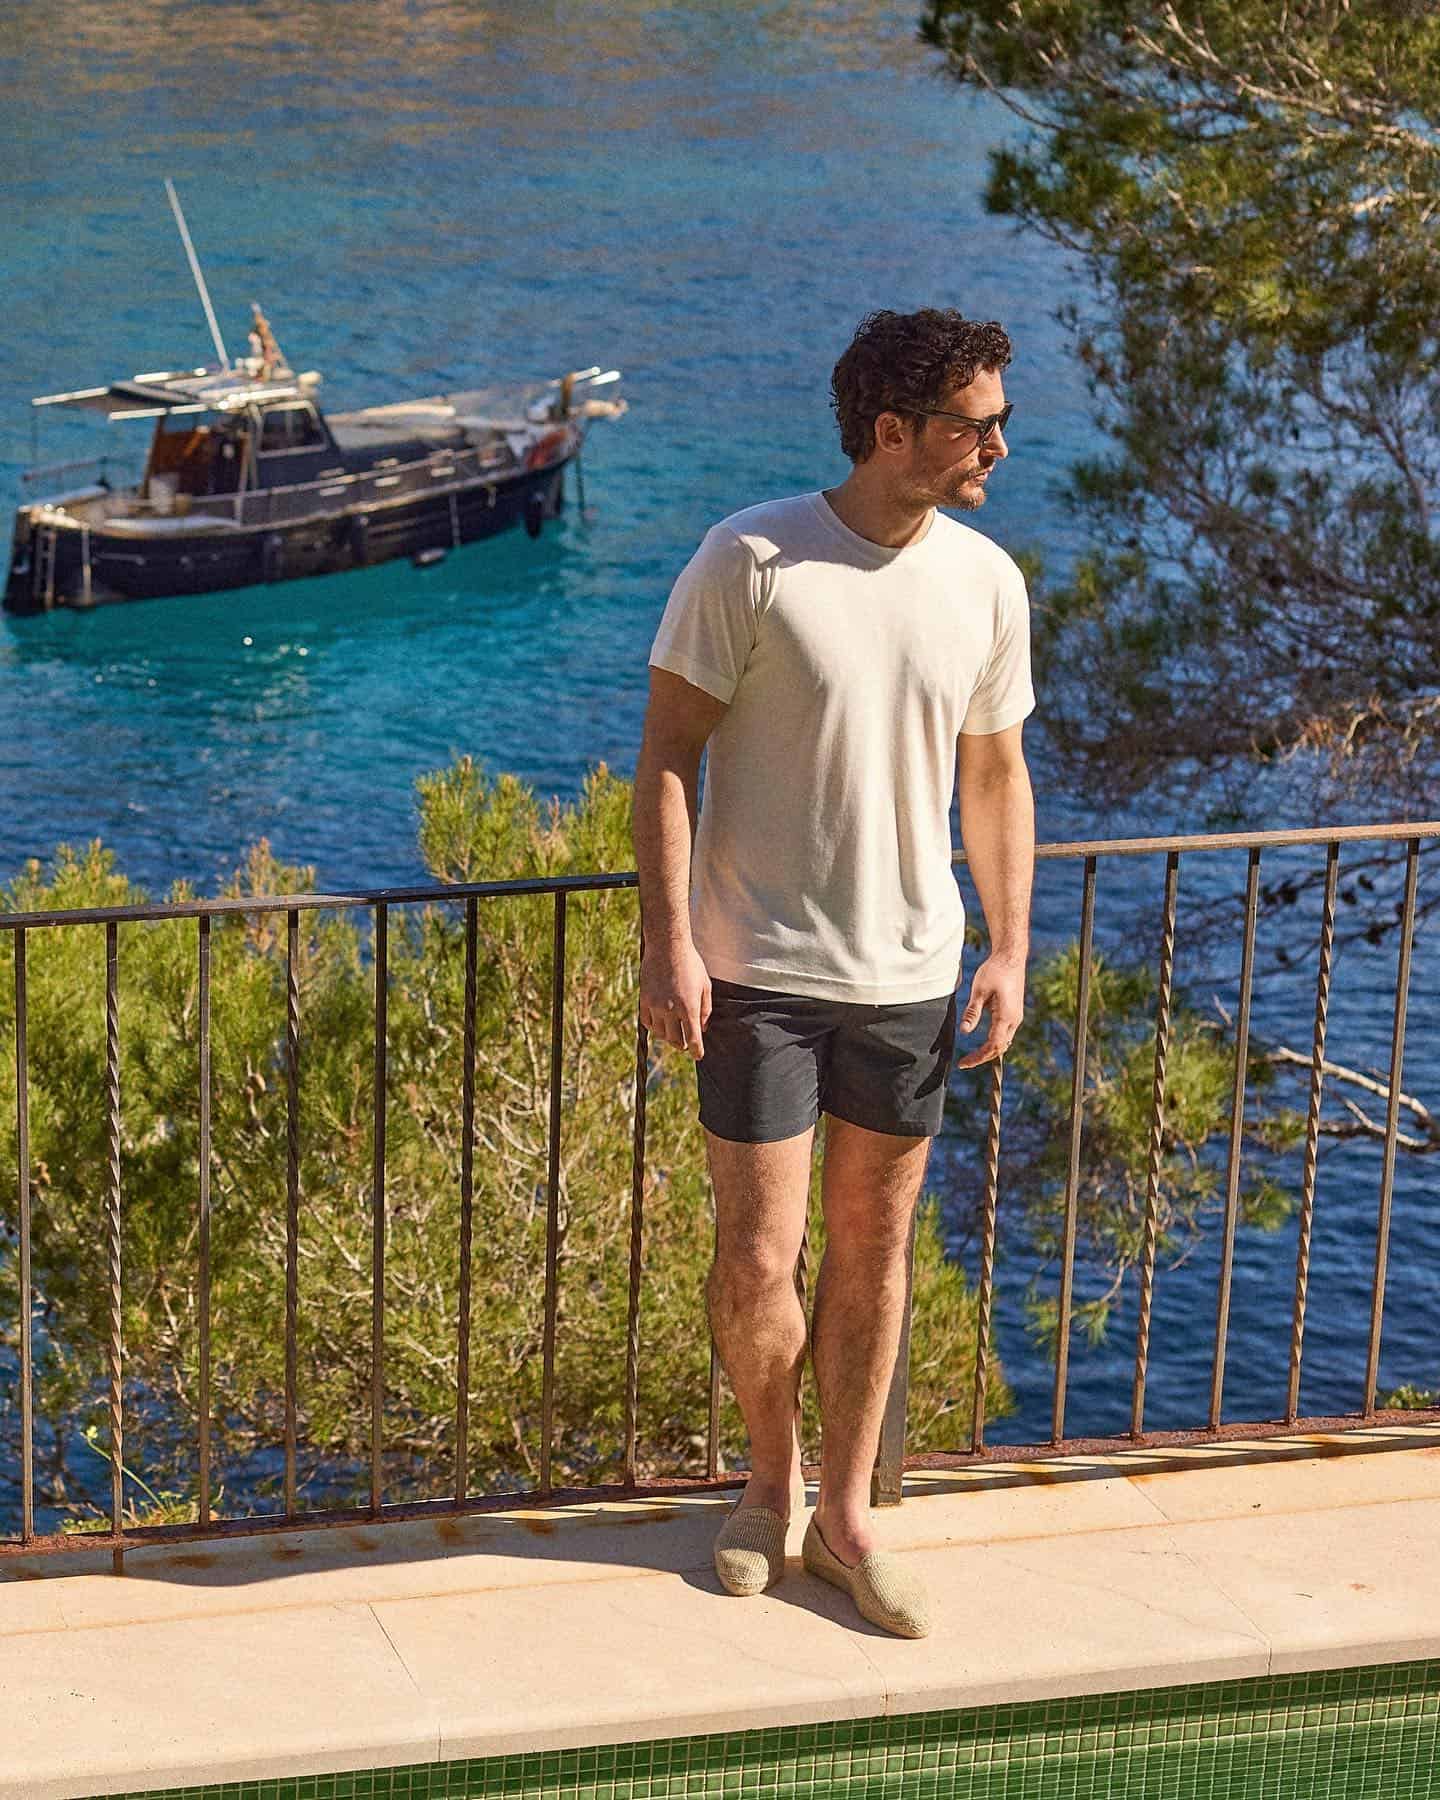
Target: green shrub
470, 829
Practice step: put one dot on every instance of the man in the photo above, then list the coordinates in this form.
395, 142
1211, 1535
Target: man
842, 654
263, 346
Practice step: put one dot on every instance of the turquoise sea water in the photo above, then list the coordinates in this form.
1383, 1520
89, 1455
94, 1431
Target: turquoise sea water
708, 196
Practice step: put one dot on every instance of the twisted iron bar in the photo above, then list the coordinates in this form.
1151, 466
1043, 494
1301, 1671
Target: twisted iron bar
22, 1149
467, 1211
1312, 1132
117, 1347
1392, 1125
552, 1194
1157, 1131
712, 1434
377, 1216
205, 1157
637, 1240
292, 1193
1072, 1177
1237, 1128
987, 1256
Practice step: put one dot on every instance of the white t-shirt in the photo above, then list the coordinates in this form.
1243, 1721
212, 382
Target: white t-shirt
822, 860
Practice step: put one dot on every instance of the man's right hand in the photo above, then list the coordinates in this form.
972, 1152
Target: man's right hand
675, 998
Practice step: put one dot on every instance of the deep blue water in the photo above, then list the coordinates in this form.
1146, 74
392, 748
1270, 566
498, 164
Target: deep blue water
708, 196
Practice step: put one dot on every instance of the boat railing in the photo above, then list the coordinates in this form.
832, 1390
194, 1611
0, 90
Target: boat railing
383, 912
338, 493
98, 465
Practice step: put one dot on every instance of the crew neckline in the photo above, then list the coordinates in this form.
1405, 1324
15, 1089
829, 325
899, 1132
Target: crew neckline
881, 554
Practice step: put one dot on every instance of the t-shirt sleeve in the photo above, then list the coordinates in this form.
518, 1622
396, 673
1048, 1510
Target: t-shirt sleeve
1004, 694
708, 627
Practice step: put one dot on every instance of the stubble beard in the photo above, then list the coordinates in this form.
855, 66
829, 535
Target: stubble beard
971, 496
956, 488
965, 493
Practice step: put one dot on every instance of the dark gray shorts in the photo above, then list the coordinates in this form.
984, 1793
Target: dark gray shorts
774, 1062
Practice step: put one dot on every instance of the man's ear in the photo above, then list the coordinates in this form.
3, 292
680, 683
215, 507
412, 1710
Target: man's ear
889, 431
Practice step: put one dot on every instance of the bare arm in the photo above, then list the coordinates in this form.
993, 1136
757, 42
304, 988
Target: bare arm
997, 825
674, 984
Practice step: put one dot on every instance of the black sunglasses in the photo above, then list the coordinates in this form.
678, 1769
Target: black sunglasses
983, 426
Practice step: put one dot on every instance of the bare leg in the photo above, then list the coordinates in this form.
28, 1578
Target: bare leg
870, 1185
756, 1317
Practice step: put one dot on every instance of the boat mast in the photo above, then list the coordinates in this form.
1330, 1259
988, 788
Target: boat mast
195, 271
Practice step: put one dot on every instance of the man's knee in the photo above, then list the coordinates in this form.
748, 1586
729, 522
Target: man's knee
747, 1274
761, 1193
862, 1277
877, 1242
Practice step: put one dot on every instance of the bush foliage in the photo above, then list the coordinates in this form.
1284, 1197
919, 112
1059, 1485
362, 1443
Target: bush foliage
471, 828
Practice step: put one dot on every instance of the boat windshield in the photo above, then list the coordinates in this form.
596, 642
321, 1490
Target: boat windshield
289, 428
191, 458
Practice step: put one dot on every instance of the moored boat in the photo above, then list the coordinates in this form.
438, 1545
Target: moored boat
248, 480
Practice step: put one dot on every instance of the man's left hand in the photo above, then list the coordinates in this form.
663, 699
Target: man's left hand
999, 986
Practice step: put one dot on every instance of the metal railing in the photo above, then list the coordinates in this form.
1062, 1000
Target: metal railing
49, 471
440, 471
886, 1482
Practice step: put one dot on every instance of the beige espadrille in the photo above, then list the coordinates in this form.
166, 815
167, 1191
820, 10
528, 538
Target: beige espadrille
750, 1550
886, 1592
750, 1553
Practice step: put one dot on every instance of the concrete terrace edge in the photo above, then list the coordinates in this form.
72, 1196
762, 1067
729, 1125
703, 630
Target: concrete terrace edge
378, 1646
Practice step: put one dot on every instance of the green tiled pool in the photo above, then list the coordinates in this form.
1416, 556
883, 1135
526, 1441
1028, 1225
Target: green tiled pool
1343, 1734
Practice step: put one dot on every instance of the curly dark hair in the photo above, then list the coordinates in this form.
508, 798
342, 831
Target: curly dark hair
902, 362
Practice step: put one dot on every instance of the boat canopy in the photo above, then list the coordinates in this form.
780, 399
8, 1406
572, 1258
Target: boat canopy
183, 391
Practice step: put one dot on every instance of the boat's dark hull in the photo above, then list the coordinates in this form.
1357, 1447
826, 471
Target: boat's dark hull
200, 561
